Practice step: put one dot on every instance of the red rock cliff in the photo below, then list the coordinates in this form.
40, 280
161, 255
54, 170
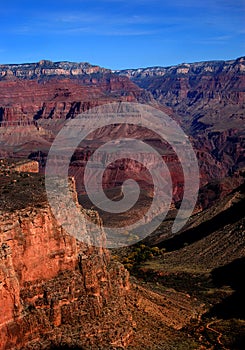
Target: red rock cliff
51, 286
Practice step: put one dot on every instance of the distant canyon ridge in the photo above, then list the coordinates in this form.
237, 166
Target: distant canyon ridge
206, 98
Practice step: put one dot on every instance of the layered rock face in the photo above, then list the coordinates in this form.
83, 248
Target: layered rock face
55, 290
59, 90
48, 68
208, 100
205, 95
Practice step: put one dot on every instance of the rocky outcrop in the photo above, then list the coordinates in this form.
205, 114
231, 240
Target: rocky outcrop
29, 166
21, 165
52, 286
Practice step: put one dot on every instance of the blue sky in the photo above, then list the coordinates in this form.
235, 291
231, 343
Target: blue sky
122, 33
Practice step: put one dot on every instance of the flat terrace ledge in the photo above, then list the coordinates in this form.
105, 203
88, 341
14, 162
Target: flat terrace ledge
20, 165
21, 190
24, 190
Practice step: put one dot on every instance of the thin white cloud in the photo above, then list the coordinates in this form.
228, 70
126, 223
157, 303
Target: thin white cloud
134, 24
70, 18
105, 32
215, 40
94, 24
87, 17
98, 30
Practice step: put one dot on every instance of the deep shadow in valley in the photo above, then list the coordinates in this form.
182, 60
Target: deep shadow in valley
229, 216
230, 275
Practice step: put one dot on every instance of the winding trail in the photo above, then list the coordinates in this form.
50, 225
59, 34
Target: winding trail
208, 326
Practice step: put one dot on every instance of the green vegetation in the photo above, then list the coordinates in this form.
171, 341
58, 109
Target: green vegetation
138, 254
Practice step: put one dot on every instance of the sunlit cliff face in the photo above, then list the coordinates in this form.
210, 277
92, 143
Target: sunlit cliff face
49, 282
